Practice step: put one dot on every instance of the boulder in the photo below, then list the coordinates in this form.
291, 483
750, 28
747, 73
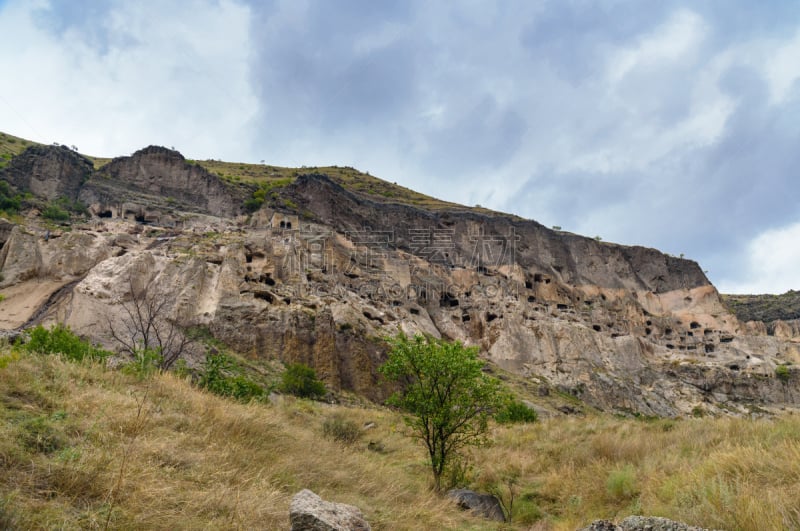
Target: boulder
641, 523
484, 505
309, 512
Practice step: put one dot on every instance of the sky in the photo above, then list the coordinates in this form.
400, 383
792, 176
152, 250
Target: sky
671, 124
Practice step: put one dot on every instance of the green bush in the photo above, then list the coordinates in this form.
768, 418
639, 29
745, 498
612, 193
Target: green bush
8, 202
61, 340
222, 376
782, 373
301, 380
514, 412
55, 213
265, 189
341, 429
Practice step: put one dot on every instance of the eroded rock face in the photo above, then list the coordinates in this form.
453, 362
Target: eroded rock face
620, 328
309, 512
20, 257
50, 172
156, 179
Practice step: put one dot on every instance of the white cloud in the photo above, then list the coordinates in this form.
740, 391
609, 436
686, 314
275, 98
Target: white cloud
676, 39
772, 263
782, 67
178, 79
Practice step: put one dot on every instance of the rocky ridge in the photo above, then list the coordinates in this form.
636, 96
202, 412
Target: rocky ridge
320, 272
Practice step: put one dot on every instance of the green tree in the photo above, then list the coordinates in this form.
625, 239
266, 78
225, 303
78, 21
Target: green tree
448, 397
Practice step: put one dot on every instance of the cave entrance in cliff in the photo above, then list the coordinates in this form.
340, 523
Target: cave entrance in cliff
105, 214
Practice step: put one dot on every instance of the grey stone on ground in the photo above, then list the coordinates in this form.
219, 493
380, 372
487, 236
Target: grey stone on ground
309, 512
484, 505
641, 523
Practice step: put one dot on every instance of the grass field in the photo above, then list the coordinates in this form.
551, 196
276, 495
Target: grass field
81, 445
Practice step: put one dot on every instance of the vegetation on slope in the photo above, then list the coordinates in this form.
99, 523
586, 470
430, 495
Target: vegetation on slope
766, 308
11, 146
81, 445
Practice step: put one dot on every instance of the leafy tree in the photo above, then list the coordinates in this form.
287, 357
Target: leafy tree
448, 397
301, 380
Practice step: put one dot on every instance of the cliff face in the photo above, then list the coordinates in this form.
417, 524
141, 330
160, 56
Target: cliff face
157, 177
320, 274
49, 172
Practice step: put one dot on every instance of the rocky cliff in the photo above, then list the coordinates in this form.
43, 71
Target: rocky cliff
321, 272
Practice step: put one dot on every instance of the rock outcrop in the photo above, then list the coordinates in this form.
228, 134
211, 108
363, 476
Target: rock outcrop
49, 172
309, 512
155, 182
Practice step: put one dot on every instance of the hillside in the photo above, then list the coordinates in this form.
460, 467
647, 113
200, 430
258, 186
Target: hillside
78, 440
766, 308
317, 265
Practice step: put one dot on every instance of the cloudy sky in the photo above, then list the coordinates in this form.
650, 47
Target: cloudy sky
671, 124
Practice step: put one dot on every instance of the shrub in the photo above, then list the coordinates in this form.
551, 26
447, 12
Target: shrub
145, 363
301, 380
341, 429
782, 373
513, 412
8, 202
55, 213
222, 376
61, 340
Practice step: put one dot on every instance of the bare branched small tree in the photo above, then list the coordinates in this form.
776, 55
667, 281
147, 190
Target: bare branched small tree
146, 329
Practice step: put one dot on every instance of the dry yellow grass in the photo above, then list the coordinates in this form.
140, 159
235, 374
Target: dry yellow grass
198, 461
202, 462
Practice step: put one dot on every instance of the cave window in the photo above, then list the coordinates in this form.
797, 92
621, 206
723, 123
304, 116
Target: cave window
531, 298
694, 324
537, 278
283, 224
597, 328
139, 218
648, 331
709, 347
490, 317
105, 214
288, 224
528, 284
465, 318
